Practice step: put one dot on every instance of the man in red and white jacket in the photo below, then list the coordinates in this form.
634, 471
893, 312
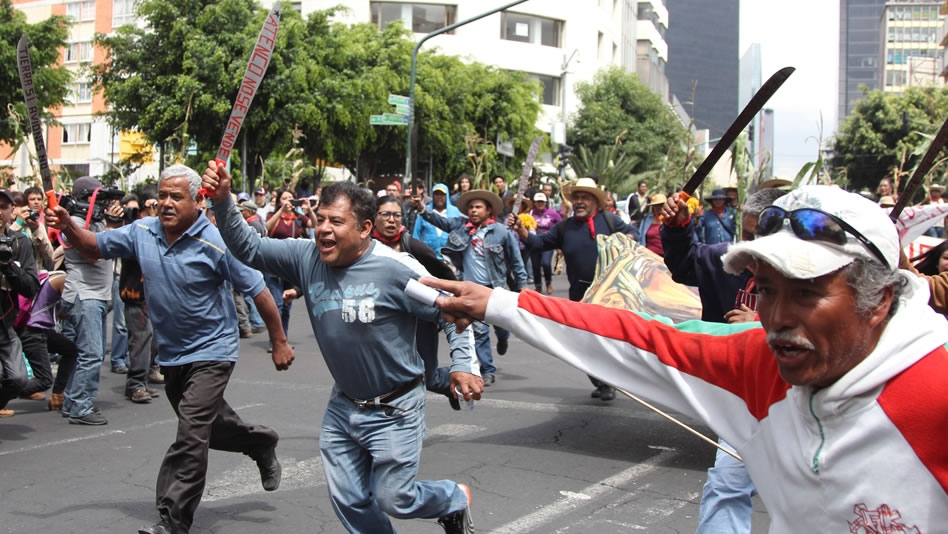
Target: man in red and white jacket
835, 400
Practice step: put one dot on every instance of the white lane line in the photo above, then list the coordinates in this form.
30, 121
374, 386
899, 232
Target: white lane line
571, 501
107, 434
245, 480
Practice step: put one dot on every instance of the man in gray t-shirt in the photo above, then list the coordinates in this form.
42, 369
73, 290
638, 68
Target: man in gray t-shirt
364, 324
85, 304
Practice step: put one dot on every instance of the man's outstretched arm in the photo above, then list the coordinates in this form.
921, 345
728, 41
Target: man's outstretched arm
79, 238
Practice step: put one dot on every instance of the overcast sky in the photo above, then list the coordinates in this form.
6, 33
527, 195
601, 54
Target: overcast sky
803, 34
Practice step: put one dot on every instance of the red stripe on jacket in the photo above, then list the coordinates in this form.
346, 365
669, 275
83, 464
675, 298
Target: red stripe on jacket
917, 405
740, 363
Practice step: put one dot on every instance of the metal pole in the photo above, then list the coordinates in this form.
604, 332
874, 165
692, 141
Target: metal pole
411, 81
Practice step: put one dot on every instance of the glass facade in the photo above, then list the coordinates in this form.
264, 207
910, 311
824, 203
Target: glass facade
421, 18
531, 29
860, 50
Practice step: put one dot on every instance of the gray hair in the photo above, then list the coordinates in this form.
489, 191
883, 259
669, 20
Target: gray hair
869, 280
183, 171
760, 200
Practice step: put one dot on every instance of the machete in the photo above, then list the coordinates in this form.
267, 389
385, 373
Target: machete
526, 173
747, 114
253, 75
921, 170
32, 110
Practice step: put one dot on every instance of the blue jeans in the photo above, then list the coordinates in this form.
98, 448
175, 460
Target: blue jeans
255, 320
371, 456
83, 324
482, 347
726, 501
119, 354
275, 285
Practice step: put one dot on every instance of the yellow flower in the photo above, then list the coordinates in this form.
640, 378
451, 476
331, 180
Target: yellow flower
528, 221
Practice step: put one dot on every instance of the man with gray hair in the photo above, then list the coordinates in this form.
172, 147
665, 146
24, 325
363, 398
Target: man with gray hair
195, 323
835, 401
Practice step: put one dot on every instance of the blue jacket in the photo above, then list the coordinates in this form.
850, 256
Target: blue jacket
713, 229
579, 248
699, 265
433, 236
503, 248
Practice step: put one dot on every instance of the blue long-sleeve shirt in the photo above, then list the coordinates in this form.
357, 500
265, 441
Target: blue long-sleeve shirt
363, 321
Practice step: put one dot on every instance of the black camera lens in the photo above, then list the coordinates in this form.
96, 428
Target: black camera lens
296, 203
34, 215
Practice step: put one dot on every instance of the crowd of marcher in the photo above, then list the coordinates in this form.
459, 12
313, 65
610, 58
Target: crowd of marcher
834, 339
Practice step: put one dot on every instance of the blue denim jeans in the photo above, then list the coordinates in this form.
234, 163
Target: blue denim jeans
275, 285
255, 320
371, 456
726, 501
482, 348
119, 354
83, 324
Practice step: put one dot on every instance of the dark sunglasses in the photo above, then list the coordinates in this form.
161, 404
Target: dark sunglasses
813, 225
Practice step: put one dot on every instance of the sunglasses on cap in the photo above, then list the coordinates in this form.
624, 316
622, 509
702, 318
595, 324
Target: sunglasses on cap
813, 225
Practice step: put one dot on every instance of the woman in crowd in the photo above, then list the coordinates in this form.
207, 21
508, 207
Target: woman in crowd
292, 219
935, 261
545, 218
649, 230
464, 185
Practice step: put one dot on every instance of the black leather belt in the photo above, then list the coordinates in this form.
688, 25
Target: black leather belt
382, 400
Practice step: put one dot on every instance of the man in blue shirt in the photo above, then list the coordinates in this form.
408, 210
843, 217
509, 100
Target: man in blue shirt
364, 323
195, 324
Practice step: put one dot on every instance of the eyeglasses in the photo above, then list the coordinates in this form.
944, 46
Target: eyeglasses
396, 215
813, 225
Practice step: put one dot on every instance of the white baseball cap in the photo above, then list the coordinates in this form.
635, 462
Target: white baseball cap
539, 197
800, 258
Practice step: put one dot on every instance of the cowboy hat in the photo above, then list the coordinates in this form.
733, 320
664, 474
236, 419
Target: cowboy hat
936, 187
586, 185
657, 199
489, 197
775, 183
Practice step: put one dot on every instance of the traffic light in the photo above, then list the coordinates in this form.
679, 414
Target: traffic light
566, 152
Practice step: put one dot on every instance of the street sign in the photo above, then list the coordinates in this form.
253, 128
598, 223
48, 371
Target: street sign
403, 109
399, 99
505, 149
388, 119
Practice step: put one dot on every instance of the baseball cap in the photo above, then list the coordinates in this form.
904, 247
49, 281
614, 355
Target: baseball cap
6, 194
439, 187
85, 183
539, 197
804, 259
247, 205
260, 191
242, 197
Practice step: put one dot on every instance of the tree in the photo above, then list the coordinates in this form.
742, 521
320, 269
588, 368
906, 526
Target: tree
885, 133
615, 102
50, 80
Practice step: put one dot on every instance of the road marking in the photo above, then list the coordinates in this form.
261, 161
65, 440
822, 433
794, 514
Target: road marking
453, 431
596, 491
107, 434
245, 480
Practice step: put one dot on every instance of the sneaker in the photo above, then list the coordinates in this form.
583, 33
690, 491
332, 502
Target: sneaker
155, 376
153, 392
488, 380
120, 370
157, 528
459, 522
501, 346
91, 418
139, 396
270, 470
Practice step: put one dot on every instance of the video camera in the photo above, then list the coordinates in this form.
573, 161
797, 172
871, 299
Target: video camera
78, 205
6, 251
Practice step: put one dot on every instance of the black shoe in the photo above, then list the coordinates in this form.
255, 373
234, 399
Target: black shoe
120, 370
488, 380
596, 393
91, 418
459, 522
501, 346
270, 470
157, 528
606, 393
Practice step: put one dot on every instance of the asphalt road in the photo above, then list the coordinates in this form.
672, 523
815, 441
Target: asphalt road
539, 453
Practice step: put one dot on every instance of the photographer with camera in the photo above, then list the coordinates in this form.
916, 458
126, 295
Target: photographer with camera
17, 278
293, 218
31, 221
86, 298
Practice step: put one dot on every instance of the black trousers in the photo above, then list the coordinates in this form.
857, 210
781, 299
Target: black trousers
205, 420
57, 343
142, 346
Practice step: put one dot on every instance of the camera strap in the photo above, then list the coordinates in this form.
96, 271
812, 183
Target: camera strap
95, 193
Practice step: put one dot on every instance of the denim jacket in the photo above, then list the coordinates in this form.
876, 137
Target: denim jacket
502, 248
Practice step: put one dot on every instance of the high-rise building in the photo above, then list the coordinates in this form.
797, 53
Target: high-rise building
703, 40
910, 45
860, 50
761, 153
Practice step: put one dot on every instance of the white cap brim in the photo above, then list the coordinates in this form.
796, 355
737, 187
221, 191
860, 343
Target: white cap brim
792, 256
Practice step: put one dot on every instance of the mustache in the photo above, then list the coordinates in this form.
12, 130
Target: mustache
786, 338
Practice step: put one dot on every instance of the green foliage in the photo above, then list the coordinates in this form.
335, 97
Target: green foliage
50, 80
612, 166
882, 129
616, 102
